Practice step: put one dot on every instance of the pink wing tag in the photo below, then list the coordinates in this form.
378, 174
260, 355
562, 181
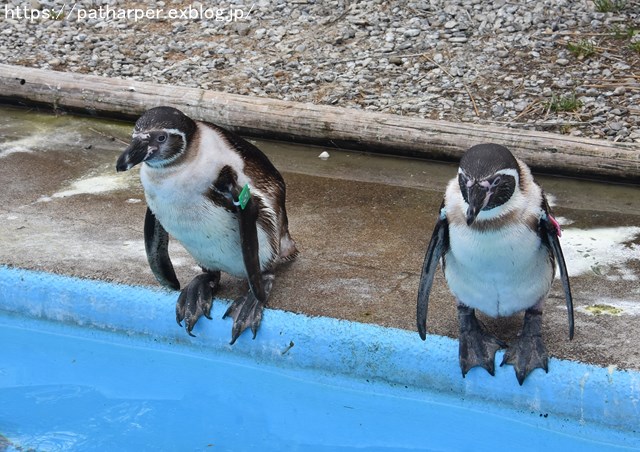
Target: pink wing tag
555, 225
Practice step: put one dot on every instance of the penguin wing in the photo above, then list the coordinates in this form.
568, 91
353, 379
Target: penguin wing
550, 232
224, 192
248, 222
156, 244
437, 247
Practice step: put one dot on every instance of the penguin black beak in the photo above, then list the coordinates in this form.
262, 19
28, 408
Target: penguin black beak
478, 197
135, 153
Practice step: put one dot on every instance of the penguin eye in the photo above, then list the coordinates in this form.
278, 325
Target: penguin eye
495, 182
162, 138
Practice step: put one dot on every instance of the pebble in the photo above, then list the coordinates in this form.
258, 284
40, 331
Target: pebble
430, 58
497, 110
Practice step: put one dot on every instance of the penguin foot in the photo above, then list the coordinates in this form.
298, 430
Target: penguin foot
477, 347
528, 352
525, 354
196, 299
246, 311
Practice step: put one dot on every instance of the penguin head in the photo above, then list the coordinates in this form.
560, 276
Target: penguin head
159, 137
488, 177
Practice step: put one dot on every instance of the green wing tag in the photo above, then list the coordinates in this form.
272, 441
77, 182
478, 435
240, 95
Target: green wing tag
243, 197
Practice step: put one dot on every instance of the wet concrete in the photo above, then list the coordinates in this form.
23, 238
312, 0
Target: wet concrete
362, 223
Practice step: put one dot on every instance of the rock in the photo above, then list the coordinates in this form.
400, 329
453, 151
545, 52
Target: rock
418, 60
497, 110
520, 106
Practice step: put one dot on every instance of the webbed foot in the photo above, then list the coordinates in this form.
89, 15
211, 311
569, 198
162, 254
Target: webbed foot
477, 347
246, 311
196, 299
528, 352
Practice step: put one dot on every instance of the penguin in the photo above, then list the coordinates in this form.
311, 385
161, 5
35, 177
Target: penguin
499, 246
222, 199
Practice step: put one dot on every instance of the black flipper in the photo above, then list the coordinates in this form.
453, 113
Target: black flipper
246, 311
549, 231
196, 299
527, 352
438, 245
156, 244
226, 191
248, 219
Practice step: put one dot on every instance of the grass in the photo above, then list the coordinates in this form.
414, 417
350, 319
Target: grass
623, 33
582, 49
635, 46
609, 6
564, 103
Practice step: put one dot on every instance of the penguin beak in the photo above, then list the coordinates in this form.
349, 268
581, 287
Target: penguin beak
138, 151
478, 197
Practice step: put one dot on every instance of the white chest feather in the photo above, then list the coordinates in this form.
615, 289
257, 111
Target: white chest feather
500, 270
176, 195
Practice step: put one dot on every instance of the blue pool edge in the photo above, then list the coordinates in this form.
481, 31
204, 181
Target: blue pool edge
588, 394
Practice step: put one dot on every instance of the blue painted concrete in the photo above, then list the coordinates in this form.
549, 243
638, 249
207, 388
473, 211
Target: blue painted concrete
94, 366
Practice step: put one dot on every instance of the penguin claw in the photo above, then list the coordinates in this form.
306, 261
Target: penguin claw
196, 300
246, 312
526, 353
478, 348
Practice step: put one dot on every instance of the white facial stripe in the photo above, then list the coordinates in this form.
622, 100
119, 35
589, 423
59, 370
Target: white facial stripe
174, 132
141, 135
510, 172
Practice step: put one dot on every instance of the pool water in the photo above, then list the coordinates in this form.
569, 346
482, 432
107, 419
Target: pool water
69, 383
65, 390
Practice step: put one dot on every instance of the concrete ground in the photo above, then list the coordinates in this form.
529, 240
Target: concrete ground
362, 224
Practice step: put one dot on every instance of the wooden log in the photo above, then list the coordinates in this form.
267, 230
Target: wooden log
319, 124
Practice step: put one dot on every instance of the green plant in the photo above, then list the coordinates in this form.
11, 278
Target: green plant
609, 6
635, 46
582, 49
623, 33
564, 103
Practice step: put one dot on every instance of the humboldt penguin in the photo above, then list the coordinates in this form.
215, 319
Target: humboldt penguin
222, 199
499, 248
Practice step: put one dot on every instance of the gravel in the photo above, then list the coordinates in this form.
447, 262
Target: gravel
487, 62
